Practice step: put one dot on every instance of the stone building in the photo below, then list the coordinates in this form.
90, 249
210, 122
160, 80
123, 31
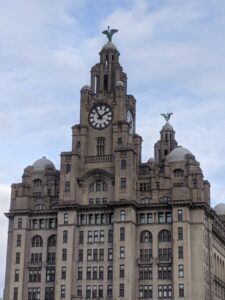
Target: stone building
107, 225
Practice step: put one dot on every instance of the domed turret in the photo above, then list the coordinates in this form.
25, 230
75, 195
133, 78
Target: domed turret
42, 163
178, 154
109, 46
220, 209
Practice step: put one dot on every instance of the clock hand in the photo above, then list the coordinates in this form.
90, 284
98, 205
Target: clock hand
99, 115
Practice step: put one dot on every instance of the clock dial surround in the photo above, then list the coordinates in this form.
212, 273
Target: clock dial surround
100, 116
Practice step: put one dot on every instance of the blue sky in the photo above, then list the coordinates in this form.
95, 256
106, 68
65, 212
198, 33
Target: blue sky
173, 54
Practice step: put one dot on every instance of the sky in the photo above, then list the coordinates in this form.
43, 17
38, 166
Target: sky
173, 54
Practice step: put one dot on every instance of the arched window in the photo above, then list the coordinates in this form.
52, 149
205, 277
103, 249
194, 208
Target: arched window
37, 241
37, 182
98, 186
164, 236
146, 237
178, 173
68, 168
52, 240
122, 215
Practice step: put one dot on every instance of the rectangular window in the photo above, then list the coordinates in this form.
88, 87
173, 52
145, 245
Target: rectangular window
142, 218
145, 291
80, 255
50, 274
88, 291
81, 237
161, 217
49, 192
66, 218
122, 233
64, 254
122, 271
16, 275
164, 272
194, 182
65, 236
149, 218
63, 273
101, 236
168, 217
100, 291
63, 291
17, 258
109, 290
145, 255
15, 293
101, 254
95, 236
95, 254
89, 254
95, 273
123, 183
180, 215
89, 236
181, 271
34, 275
121, 291
101, 273
88, 273
145, 272
165, 291
110, 254
165, 254
49, 293
18, 240
34, 293
122, 252
181, 290
79, 290
110, 272
20, 222
80, 273
67, 186
180, 233
180, 252
110, 236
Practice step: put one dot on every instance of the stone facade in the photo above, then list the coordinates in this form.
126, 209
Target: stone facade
107, 225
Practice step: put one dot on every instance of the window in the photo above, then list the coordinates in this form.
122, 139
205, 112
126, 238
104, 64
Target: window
67, 186
180, 233
98, 186
101, 236
101, 273
122, 252
110, 272
180, 252
64, 254
100, 291
110, 254
122, 273
36, 257
181, 271
37, 182
123, 183
145, 255
15, 293
123, 164
95, 273
101, 254
100, 146
109, 290
49, 192
168, 217
178, 173
144, 186
80, 273
95, 254
164, 254
37, 241
65, 236
78, 146
161, 217
89, 254
18, 240
110, 235
63, 273
145, 272
50, 274
81, 237
94, 291
34, 293
122, 215
121, 291
122, 233
52, 240
66, 216
164, 199
68, 168
194, 183
165, 291
142, 218
63, 291
164, 272
146, 237
16, 275
119, 141
181, 290
88, 273
79, 290
17, 258
164, 236
49, 293
51, 257
80, 255
34, 275
19, 225
145, 291
180, 215
149, 218
88, 291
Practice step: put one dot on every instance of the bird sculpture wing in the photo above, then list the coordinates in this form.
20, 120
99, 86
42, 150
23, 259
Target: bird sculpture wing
113, 31
105, 32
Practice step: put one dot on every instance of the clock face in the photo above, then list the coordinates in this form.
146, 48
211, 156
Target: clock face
130, 121
100, 116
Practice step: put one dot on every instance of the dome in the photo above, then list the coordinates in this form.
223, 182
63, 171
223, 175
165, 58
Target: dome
42, 163
220, 209
167, 126
178, 154
119, 83
108, 46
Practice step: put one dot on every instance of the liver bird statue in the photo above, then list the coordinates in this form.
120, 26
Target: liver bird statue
109, 33
167, 116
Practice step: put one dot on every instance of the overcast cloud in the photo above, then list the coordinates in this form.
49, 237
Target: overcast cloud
173, 53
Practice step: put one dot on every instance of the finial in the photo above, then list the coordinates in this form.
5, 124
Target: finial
109, 33
167, 116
